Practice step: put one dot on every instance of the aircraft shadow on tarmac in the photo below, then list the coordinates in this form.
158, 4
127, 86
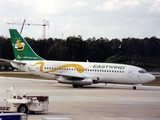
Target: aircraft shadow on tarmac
129, 87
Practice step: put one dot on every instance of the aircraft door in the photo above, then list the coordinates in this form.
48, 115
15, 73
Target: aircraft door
130, 73
31, 68
139, 78
34, 70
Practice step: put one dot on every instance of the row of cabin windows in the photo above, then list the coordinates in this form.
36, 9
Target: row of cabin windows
93, 70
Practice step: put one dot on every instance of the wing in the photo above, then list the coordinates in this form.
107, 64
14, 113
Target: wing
67, 74
76, 79
74, 76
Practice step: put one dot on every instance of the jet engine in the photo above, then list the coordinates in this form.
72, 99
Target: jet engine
85, 81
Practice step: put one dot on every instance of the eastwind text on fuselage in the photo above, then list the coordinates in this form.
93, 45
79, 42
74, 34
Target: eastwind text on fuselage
109, 67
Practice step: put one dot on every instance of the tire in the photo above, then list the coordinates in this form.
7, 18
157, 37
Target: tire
81, 86
22, 109
134, 87
75, 86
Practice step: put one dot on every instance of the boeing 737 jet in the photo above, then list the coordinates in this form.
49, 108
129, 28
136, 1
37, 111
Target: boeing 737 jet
76, 73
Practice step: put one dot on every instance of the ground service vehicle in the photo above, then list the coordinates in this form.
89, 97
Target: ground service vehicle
17, 102
13, 116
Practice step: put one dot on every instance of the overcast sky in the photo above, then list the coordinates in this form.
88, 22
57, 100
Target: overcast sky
88, 18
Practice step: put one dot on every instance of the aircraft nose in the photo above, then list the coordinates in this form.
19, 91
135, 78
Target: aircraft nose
151, 77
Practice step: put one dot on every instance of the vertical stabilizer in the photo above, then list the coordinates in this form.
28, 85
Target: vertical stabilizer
22, 50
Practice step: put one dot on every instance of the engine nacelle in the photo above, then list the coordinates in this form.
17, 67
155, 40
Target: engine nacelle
86, 81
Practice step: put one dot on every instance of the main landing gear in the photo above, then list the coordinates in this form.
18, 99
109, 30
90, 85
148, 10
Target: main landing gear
76, 86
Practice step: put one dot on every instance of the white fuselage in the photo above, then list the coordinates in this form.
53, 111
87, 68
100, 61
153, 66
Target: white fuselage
98, 72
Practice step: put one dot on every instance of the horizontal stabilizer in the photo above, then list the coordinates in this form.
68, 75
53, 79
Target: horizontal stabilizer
13, 61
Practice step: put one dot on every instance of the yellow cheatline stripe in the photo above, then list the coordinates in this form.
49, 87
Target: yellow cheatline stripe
78, 67
41, 65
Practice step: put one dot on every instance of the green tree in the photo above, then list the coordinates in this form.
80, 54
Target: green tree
118, 58
76, 48
97, 49
6, 50
58, 50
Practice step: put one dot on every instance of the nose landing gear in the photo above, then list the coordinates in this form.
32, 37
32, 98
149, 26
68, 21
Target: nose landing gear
134, 87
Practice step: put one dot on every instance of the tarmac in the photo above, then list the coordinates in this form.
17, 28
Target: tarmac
95, 102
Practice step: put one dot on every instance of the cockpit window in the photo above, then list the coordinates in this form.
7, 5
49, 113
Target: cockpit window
142, 71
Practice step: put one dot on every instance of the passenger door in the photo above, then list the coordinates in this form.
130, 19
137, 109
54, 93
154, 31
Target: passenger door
130, 73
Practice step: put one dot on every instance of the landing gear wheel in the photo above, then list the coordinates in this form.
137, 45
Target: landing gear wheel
22, 109
75, 86
134, 87
81, 86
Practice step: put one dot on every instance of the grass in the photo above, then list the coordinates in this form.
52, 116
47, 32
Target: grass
20, 75
24, 75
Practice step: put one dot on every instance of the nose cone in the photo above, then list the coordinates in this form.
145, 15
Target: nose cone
145, 78
151, 77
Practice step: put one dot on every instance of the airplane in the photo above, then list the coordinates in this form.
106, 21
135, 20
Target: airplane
76, 73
